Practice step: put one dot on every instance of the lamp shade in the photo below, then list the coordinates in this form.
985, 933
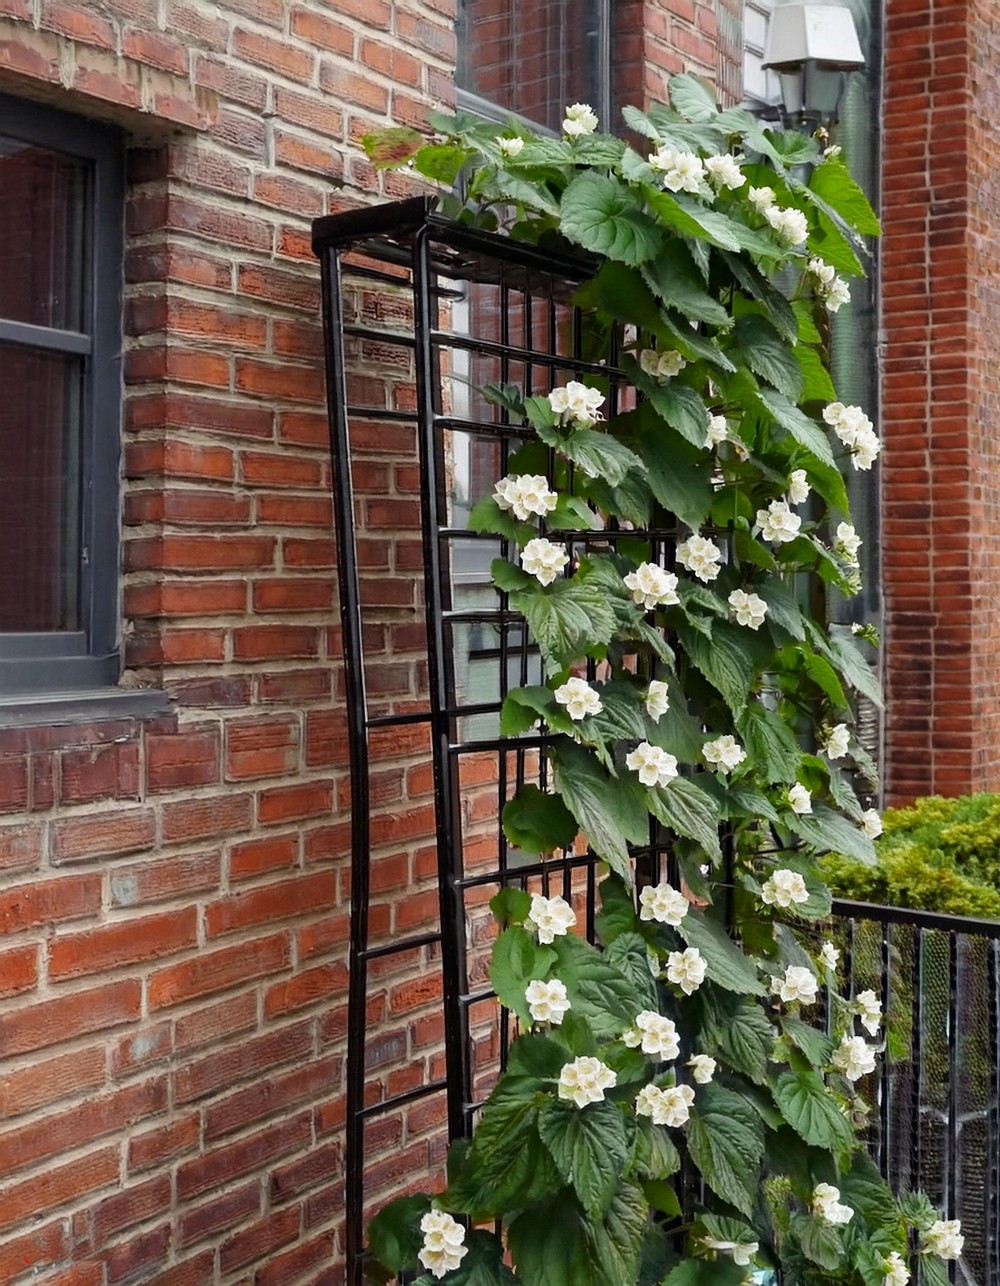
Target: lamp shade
811, 46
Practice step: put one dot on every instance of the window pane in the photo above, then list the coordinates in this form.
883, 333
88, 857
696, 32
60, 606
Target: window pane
530, 56
43, 217
40, 477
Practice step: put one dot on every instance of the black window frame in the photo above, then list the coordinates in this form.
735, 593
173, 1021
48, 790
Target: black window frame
34, 666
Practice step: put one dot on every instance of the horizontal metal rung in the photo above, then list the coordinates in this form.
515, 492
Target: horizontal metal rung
530, 356
400, 1100
388, 720
397, 948
383, 336
380, 413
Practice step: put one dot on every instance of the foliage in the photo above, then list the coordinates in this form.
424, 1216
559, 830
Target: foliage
670, 1112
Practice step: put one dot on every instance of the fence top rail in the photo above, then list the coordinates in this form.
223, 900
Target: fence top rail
937, 920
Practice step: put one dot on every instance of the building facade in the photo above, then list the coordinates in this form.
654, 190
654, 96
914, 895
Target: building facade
174, 838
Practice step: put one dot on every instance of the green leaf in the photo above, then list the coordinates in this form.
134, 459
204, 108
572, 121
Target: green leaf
728, 965
792, 147
743, 1036
706, 1272
655, 1154
933, 1272
566, 620
816, 383
826, 831
769, 742
627, 955
726, 1141
540, 151
525, 192
523, 707
549, 1246
589, 1148
692, 98
864, 1190
597, 149
483, 1264
617, 915
508, 577
815, 1044
611, 812
782, 608
855, 668
761, 347
598, 991
723, 660
639, 122
661, 1196
812, 1112
394, 1235
820, 1242
487, 515
674, 278
510, 906
537, 1056
507, 396
688, 809
517, 960
442, 162
599, 455
918, 1209
757, 286
604, 216
537, 822
805, 431
833, 183
392, 147
681, 408
616, 1241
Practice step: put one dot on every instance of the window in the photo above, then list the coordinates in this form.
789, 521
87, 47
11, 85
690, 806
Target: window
61, 251
759, 86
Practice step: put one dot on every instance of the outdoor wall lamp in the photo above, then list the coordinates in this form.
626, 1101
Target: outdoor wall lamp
811, 44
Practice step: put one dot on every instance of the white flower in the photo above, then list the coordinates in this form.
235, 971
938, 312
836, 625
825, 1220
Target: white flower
579, 698
826, 1205
654, 1035
853, 1057
662, 903
822, 271
777, 523
657, 699
547, 1001
686, 969
856, 431
799, 799
944, 1239
749, 609
866, 449
798, 984
717, 431
580, 119
762, 198
543, 559
577, 401
785, 887
662, 363
896, 1271
866, 1005
682, 171
838, 742
830, 152
702, 1068
725, 171
700, 556
830, 956
671, 1106
585, 1079
871, 823
655, 767
798, 487
525, 494
443, 1248
836, 295
741, 1251
510, 147
791, 226
651, 586
552, 917
848, 542
725, 753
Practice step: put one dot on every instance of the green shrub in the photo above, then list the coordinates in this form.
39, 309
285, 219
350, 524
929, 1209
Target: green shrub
938, 855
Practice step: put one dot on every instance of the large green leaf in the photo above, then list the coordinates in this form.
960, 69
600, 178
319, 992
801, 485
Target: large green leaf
770, 742
681, 408
604, 216
566, 619
616, 1240
726, 1142
782, 608
820, 1242
706, 1272
599, 455
829, 832
744, 1037
549, 1246
758, 287
674, 278
728, 965
805, 431
611, 812
537, 822
864, 1190
598, 990
856, 669
811, 1111
833, 183
518, 959
759, 346
724, 660
589, 1148
394, 1235
816, 383
627, 955
692, 98
815, 1044
688, 810
483, 1264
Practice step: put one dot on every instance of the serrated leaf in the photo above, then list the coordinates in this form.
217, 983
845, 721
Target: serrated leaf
487, 515
566, 620
918, 1209
769, 742
617, 915
695, 221
728, 965
639, 121
760, 347
588, 1147
442, 162
510, 906
828, 832
682, 409
816, 383
674, 278
506, 396
782, 607
855, 668
597, 149
549, 1246
536, 1056
792, 147
611, 812
726, 1142
704, 1272
692, 98
523, 707
833, 183
820, 1242
616, 1240
811, 1111
599, 455
627, 954
508, 577
518, 959
655, 1154
599, 993
394, 1235
525, 192
746, 1041
724, 661
864, 1190
483, 1264
604, 216
537, 822
805, 431
822, 673
757, 286
815, 1044
542, 151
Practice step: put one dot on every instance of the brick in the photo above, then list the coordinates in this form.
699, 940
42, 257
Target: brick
308, 1257
135, 1258
44, 1083
270, 1097
49, 901
220, 1213
38, 1249
250, 1058
293, 596
18, 970
193, 819
20, 847
261, 748
103, 835
165, 1143
100, 772
56, 1187
285, 803
13, 784
165, 877
112, 946
221, 1165
49, 1022
304, 989
78, 23
214, 971
201, 553
297, 895
258, 1241
177, 760
285, 642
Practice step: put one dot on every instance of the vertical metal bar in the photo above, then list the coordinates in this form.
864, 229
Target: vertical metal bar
992, 1237
916, 1028
951, 1192
357, 708
885, 1071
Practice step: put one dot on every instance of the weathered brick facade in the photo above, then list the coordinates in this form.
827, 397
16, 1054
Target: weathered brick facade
174, 893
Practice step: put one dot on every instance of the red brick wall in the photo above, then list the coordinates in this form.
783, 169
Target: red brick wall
174, 893
940, 265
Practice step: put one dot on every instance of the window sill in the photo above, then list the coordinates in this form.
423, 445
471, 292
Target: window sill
90, 705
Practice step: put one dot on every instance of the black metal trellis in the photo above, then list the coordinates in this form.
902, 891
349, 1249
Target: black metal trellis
472, 309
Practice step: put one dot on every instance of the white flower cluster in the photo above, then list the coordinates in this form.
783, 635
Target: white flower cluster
510, 148
896, 1271
826, 1204
651, 586
832, 290
443, 1249
547, 1001
654, 1035
856, 431
580, 119
662, 363
686, 969
655, 767
871, 823
670, 1106
798, 984
785, 888
853, 1057
724, 753
585, 1079
741, 1251
682, 171
552, 917
749, 609
868, 1009
525, 495
702, 1068
657, 699
761, 198
579, 698
848, 543
777, 523
791, 225
724, 171
543, 559
577, 402
663, 903
798, 487
700, 556
830, 956
717, 431
944, 1239
799, 799
838, 741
